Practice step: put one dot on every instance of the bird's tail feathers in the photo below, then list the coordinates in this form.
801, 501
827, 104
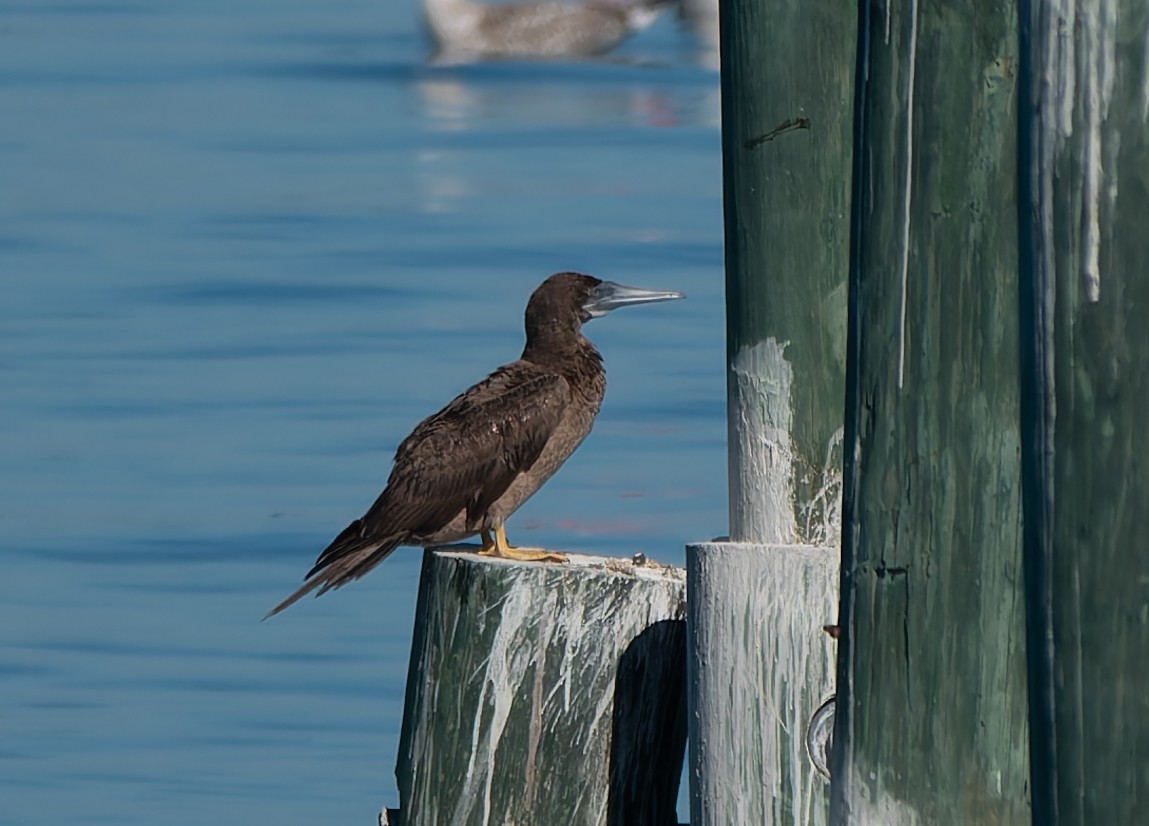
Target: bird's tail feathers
303, 591
348, 557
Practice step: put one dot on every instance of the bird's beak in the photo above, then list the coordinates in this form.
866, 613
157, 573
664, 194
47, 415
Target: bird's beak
609, 296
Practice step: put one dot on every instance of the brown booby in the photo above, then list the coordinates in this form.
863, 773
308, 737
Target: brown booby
467, 468
535, 28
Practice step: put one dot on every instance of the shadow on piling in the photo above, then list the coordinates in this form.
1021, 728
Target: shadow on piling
649, 728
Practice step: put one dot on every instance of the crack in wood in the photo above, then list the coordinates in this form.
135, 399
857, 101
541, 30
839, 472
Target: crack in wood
883, 571
788, 125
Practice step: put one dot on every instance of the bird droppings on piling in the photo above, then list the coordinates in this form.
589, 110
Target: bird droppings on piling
638, 566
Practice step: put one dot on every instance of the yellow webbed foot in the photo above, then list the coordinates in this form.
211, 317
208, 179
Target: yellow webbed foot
499, 547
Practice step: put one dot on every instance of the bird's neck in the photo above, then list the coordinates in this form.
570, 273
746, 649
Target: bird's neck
570, 356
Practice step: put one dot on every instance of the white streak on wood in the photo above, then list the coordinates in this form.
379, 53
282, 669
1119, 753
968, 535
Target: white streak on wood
1078, 74
907, 193
1145, 72
882, 809
761, 457
1060, 68
1053, 110
1098, 42
759, 665
823, 513
505, 666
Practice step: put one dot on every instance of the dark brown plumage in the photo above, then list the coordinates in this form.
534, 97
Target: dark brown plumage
467, 468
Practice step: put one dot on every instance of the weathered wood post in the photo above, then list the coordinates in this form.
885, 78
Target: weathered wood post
931, 713
759, 663
1085, 355
543, 693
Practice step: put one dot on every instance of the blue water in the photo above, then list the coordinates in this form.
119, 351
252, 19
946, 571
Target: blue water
245, 246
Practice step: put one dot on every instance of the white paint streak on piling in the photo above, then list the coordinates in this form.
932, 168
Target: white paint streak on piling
1076, 83
882, 809
907, 192
1060, 74
762, 458
758, 665
1145, 72
1098, 42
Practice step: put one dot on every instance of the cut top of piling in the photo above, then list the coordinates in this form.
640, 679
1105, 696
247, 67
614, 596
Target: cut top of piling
578, 564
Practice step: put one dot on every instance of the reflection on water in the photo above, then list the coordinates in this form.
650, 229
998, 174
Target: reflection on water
465, 97
245, 249
491, 132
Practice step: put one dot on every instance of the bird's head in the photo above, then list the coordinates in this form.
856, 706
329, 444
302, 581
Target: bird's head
566, 300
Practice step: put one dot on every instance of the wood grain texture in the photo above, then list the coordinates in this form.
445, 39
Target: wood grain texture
1085, 347
931, 722
759, 666
544, 693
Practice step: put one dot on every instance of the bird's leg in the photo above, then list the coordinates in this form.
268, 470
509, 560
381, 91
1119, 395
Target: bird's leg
499, 547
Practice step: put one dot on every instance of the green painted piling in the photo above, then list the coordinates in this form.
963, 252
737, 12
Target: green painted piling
787, 80
931, 715
759, 663
543, 693
1085, 345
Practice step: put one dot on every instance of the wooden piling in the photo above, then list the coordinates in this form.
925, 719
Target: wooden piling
544, 693
759, 662
1085, 377
787, 81
759, 666
931, 711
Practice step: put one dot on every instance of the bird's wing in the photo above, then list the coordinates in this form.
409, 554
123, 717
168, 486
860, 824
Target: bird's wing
462, 458
468, 454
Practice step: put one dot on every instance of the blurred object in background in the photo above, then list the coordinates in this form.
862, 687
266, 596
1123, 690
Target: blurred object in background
463, 30
702, 18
